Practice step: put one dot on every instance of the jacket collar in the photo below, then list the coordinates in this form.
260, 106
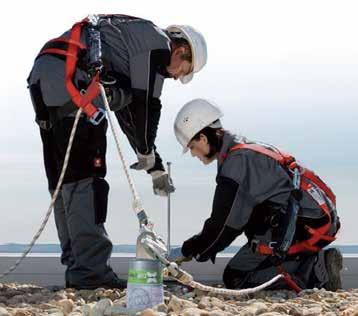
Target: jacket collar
229, 140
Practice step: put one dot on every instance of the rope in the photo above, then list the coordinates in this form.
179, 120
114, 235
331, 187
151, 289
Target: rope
214, 290
185, 278
188, 279
53, 200
136, 202
137, 205
172, 270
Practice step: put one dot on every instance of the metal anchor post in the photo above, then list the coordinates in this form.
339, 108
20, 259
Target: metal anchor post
168, 211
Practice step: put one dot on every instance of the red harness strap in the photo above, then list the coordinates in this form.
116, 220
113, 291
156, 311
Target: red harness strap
308, 174
83, 101
310, 183
288, 279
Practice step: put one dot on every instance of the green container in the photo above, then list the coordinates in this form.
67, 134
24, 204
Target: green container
145, 284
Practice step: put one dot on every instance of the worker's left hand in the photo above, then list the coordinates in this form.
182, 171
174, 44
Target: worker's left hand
177, 256
162, 184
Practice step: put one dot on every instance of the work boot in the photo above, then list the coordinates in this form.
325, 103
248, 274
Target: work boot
334, 264
116, 283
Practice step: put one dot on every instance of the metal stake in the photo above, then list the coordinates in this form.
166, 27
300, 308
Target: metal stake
168, 213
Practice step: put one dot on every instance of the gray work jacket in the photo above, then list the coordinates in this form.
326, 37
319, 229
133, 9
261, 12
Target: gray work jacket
135, 52
251, 188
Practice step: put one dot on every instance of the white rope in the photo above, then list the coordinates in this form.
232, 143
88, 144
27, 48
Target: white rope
137, 205
188, 280
53, 200
136, 202
206, 288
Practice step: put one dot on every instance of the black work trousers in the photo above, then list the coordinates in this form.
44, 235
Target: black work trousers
249, 269
81, 206
88, 153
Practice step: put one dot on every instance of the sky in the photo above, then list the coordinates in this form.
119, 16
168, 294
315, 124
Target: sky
283, 72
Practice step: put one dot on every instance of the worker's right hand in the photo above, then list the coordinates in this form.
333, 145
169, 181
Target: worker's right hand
177, 256
145, 162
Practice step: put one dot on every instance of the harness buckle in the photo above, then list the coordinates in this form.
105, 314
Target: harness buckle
98, 117
272, 244
255, 243
296, 178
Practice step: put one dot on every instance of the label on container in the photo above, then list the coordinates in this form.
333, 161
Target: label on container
144, 277
141, 296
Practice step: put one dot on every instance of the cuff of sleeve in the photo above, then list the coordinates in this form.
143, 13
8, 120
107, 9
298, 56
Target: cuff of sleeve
158, 166
157, 174
188, 249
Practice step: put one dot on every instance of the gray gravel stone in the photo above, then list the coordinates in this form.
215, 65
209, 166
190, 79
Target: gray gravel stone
3, 312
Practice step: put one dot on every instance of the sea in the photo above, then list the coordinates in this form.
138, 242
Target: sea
54, 250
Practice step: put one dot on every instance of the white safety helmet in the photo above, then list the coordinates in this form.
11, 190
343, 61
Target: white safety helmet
193, 117
197, 44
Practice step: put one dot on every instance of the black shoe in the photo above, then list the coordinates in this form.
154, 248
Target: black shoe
334, 264
115, 283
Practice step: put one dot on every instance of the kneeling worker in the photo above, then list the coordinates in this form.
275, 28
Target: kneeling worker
287, 213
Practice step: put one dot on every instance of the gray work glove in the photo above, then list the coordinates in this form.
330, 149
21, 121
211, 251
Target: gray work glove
162, 184
145, 162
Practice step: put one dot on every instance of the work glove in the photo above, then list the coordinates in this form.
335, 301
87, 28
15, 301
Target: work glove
145, 162
177, 256
162, 184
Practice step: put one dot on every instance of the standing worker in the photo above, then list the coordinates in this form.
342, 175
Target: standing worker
130, 57
287, 213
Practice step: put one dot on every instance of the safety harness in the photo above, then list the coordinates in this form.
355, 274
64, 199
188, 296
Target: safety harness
310, 183
305, 180
82, 99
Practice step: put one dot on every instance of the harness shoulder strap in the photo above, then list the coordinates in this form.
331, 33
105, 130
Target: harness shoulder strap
288, 161
74, 45
282, 157
82, 101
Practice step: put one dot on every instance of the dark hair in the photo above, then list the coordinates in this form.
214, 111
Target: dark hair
215, 139
181, 42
